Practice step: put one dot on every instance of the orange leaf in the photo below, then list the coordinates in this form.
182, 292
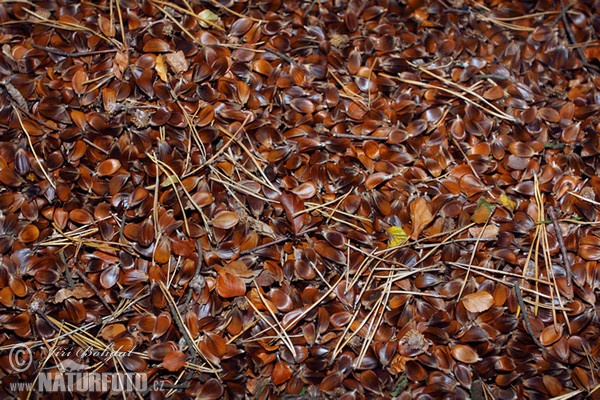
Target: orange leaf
162, 252
78, 81
29, 234
120, 63
551, 334
230, 285
161, 68
174, 361
215, 344
494, 93
156, 46
421, 216
465, 354
281, 373
107, 28
483, 211
225, 220
293, 204
7, 298
478, 302
238, 268
211, 390
108, 167
113, 331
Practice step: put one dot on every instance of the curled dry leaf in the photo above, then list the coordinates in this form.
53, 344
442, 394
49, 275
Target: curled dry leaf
161, 68
211, 390
229, 285
225, 220
551, 334
293, 206
421, 216
155, 45
158, 351
464, 353
177, 61
487, 232
281, 373
305, 190
113, 331
108, 167
81, 216
29, 234
174, 361
478, 302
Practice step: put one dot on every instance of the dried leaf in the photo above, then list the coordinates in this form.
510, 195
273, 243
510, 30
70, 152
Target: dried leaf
293, 204
211, 390
281, 373
225, 220
108, 167
113, 331
465, 354
487, 232
229, 285
483, 211
208, 16
174, 361
238, 268
478, 302
155, 45
421, 216
29, 234
551, 334
177, 62
120, 63
507, 202
398, 235
161, 68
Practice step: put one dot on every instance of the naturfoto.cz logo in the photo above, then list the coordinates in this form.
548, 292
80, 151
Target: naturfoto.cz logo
68, 375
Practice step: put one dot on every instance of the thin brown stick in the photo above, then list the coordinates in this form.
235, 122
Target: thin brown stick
188, 298
561, 244
229, 10
358, 137
571, 37
94, 288
193, 348
265, 245
74, 54
67, 270
187, 305
528, 327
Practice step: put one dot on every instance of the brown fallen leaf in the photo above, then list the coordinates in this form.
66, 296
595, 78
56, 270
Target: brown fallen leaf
113, 331
237, 268
225, 220
120, 63
465, 354
478, 302
174, 361
483, 211
80, 291
161, 68
229, 285
489, 232
292, 204
421, 216
177, 61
